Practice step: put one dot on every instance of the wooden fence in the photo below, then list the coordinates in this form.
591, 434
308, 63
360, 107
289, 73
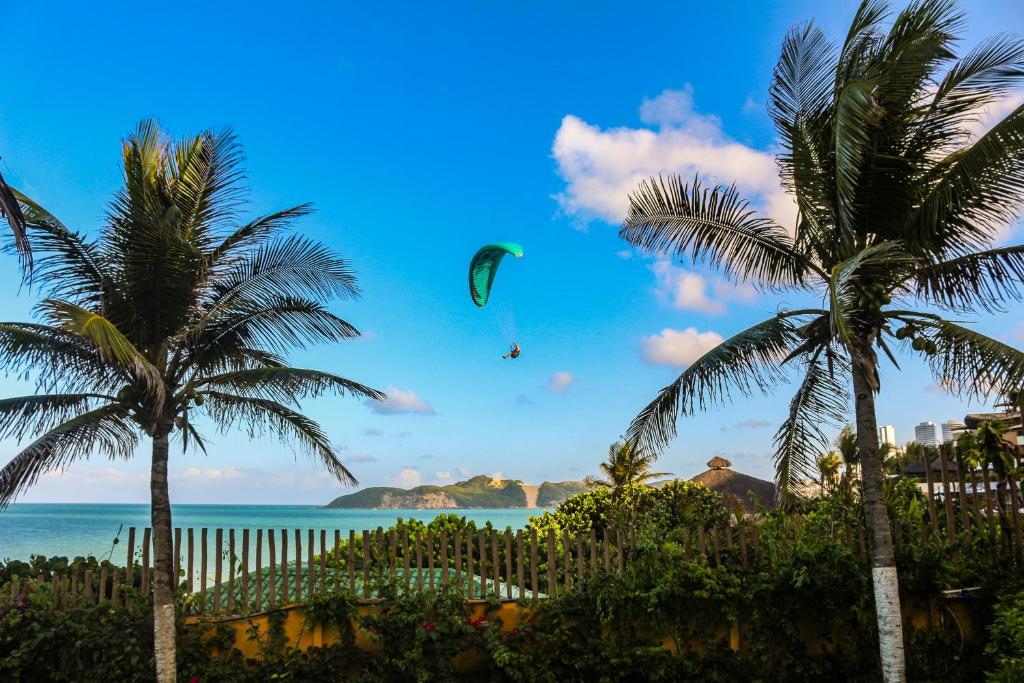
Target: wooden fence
229, 571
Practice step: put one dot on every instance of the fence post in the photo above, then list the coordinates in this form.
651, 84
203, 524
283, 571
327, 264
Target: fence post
352, 561
259, 570
1015, 515
366, 563
520, 574
203, 567
244, 608
929, 478
272, 573
131, 555
483, 562
533, 563
508, 563
947, 501
231, 571
177, 556
552, 566
145, 560
298, 565
285, 582
444, 558
191, 562
102, 592
217, 567
311, 566
419, 561
323, 561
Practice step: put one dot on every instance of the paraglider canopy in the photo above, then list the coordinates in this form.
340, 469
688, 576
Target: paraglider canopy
484, 267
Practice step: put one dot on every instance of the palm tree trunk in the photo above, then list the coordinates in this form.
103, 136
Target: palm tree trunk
163, 580
883, 562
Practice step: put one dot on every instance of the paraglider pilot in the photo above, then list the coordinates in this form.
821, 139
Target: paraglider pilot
513, 352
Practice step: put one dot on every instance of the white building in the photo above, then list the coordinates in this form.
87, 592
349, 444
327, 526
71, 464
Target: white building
951, 429
927, 434
887, 435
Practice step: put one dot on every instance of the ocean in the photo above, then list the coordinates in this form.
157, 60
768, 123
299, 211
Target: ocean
89, 529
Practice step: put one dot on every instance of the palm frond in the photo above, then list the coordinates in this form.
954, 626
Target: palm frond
102, 429
10, 209
205, 173
990, 71
293, 266
818, 403
70, 266
745, 362
676, 218
102, 334
973, 192
984, 280
257, 416
33, 415
284, 385
968, 363
279, 323
257, 232
799, 100
60, 358
856, 113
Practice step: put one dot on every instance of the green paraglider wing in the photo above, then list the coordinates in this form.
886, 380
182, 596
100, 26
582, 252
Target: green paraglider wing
484, 267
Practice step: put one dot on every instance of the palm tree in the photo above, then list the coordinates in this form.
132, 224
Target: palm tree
898, 205
987, 446
177, 309
626, 466
828, 470
849, 454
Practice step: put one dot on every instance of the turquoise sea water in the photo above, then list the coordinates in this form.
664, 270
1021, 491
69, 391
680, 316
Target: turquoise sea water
85, 529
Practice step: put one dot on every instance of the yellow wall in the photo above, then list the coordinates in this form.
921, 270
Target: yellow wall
302, 633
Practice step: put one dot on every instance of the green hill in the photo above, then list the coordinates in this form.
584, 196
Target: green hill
552, 493
478, 492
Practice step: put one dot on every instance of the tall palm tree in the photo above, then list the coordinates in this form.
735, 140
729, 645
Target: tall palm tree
898, 206
178, 308
625, 465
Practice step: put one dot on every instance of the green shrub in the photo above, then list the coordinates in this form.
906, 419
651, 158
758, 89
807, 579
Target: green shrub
1006, 644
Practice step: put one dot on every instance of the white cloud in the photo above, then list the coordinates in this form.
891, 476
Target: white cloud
601, 166
749, 424
560, 381
463, 472
686, 289
678, 347
360, 457
994, 113
443, 476
212, 473
625, 254
408, 477
401, 401
1018, 333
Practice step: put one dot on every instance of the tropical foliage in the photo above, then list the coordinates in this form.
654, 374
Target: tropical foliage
625, 465
178, 311
899, 200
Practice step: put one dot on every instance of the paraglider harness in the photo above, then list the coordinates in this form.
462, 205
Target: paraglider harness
513, 352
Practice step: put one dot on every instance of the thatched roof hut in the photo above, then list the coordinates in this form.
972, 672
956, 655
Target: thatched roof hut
916, 469
739, 490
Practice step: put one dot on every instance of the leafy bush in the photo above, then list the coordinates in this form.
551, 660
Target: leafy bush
1006, 644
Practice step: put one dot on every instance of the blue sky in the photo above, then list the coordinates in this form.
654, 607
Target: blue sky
422, 131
